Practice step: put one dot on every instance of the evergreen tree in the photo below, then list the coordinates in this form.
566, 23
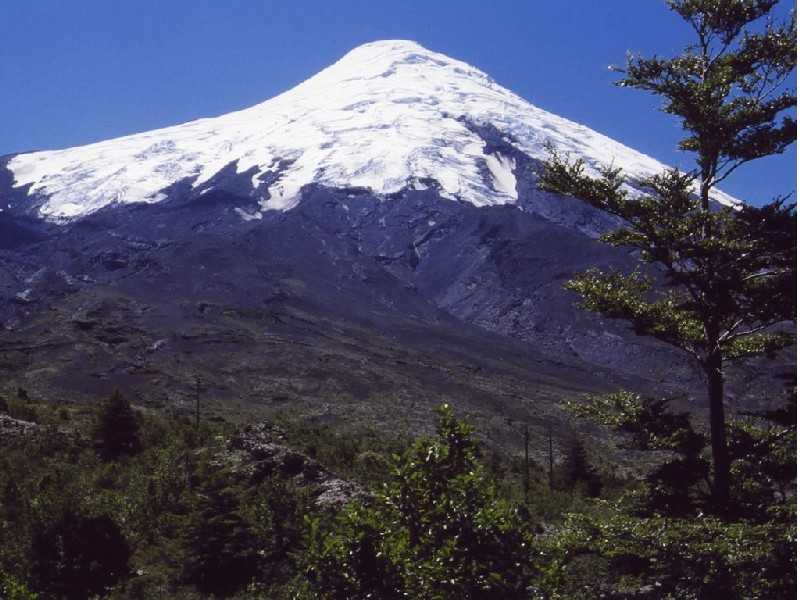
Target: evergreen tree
724, 276
222, 550
764, 462
577, 470
116, 432
78, 556
675, 486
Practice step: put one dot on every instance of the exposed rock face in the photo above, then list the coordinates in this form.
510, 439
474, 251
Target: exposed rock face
11, 428
348, 299
260, 452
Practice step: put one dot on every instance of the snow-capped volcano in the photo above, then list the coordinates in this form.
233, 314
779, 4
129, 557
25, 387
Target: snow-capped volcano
388, 115
376, 289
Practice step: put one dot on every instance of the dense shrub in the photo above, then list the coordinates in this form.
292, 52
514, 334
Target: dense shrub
437, 530
77, 556
660, 540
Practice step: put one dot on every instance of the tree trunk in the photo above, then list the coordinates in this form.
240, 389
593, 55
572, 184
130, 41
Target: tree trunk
705, 193
719, 448
721, 489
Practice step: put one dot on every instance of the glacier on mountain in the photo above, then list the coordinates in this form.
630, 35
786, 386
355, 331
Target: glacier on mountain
386, 116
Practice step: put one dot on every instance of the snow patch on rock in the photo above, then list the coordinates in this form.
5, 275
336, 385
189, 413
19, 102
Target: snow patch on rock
502, 169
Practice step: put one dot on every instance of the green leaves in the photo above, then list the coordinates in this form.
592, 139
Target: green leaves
661, 540
438, 530
722, 278
722, 17
560, 175
729, 87
221, 546
668, 316
657, 557
12, 588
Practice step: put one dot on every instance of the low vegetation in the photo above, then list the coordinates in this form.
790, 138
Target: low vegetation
117, 502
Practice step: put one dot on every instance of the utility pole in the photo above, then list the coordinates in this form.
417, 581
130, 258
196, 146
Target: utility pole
550, 455
197, 404
527, 463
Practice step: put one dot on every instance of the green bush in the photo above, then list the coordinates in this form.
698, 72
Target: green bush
660, 540
12, 588
437, 530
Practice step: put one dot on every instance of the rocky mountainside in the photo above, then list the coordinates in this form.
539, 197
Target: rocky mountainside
362, 246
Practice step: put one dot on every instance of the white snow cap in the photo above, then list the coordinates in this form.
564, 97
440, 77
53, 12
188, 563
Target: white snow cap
384, 116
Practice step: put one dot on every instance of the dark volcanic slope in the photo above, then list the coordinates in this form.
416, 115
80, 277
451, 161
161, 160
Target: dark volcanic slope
287, 311
346, 307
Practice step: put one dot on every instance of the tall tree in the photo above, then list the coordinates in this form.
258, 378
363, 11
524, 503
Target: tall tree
222, 549
116, 432
725, 275
577, 470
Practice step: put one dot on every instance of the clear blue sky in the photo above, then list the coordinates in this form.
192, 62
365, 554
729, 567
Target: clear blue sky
77, 71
